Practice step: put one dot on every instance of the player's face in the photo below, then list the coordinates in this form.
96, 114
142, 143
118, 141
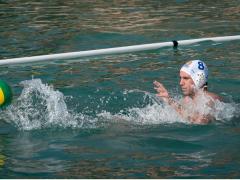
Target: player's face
186, 84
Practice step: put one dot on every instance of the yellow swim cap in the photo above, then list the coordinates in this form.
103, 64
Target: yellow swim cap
5, 94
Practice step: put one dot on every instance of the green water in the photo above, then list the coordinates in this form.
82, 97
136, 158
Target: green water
97, 117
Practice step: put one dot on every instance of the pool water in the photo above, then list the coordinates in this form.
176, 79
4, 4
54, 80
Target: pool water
98, 117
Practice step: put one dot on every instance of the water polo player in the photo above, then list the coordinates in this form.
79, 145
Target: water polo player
197, 104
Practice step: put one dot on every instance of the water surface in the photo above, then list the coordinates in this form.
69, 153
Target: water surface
97, 117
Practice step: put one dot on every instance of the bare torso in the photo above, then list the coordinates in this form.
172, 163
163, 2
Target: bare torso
198, 109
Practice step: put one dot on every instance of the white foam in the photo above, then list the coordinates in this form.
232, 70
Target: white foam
226, 111
157, 112
219, 110
149, 115
40, 106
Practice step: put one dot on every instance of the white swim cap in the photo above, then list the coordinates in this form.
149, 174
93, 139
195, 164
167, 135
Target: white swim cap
198, 71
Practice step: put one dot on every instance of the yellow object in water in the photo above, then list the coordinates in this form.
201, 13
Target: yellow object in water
5, 93
2, 160
2, 98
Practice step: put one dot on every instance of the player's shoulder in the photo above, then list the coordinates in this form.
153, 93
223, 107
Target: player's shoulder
214, 96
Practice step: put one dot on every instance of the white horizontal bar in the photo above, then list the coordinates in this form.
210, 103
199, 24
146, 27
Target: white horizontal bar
116, 50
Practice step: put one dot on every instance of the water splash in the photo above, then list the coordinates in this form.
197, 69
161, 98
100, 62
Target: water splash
157, 112
207, 106
40, 106
154, 112
225, 112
